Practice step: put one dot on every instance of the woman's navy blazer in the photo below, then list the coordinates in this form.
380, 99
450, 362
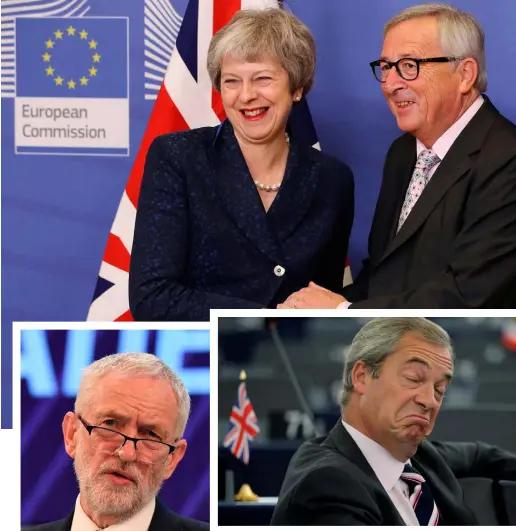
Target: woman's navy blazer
204, 240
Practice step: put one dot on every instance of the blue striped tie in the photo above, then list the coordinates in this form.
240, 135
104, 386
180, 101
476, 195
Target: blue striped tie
420, 497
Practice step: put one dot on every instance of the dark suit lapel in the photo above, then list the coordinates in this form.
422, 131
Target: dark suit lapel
452, 168
344, 443
296, 193
403, 171
234, 186
449, 171
342, 440
455, 165
63, 525
164, 519
396, 178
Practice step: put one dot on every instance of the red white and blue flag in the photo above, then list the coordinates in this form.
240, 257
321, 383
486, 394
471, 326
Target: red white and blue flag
185, 100
243, 426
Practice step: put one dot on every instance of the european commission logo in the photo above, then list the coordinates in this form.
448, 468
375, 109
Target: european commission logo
72, 86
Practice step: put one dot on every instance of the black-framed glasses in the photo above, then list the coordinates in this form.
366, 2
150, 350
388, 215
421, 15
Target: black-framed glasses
407, 67
111, 442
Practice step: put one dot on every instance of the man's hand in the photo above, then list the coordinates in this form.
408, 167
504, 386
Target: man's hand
313, 297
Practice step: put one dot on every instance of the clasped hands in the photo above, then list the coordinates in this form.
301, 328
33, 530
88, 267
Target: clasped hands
311, 298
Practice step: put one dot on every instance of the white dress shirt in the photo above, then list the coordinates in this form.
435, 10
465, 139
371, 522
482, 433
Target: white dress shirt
388, 470
139, 522
441, 147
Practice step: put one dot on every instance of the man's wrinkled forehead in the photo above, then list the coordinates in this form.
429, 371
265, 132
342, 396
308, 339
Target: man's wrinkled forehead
412, 38
415, 347
116, 385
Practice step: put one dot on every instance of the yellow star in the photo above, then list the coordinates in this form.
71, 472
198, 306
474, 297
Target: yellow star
71, 84
49, 44
83, 34
50, 71
46, 57
96, 58
58, 34
93, 71
93, 44
59, 81
71, 31
84, 80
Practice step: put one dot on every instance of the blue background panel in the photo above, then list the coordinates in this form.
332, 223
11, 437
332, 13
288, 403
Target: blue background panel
57, 210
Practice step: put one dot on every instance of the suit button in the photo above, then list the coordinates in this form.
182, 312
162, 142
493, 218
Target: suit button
279, 271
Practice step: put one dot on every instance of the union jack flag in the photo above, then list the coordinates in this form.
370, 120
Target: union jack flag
186, 100
243, 426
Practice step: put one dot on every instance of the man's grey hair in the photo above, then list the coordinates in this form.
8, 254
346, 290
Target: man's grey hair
460, 34
381, 337
253, 34
130, 364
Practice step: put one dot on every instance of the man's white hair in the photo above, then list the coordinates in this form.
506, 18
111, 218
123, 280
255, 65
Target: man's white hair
133, 363
460, 33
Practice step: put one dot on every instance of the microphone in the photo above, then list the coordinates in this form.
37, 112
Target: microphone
271, 325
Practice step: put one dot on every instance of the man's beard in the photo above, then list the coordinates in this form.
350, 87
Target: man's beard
104, 498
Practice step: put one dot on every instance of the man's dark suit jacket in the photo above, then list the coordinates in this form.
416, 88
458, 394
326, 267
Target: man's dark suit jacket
457, 248
203, 239
162, 520
330, 482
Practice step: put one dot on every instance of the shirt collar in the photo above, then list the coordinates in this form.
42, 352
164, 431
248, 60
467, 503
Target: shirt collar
443, 144
386, 467
139, 522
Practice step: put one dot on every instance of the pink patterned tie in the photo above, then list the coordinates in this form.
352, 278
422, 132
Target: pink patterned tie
426, 160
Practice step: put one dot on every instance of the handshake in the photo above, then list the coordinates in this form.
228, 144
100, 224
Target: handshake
314, 297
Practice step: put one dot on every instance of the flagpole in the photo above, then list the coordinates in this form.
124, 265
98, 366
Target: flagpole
245, 493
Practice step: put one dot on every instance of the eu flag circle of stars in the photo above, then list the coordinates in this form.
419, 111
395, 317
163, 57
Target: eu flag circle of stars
95, 57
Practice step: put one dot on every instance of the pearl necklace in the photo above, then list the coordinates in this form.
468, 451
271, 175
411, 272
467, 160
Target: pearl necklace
272, 187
